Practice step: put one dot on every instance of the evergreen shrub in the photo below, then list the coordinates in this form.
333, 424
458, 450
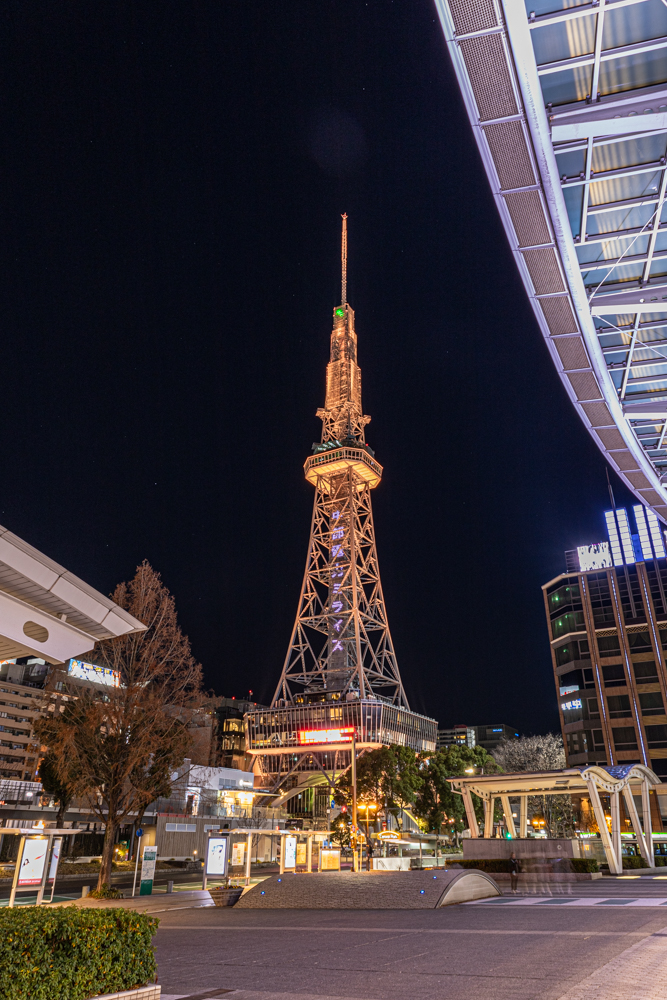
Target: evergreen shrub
585, 865
634, 862
489, 865
52, 954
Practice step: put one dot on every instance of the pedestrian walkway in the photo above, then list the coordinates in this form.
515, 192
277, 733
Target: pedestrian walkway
570, 901
638, 973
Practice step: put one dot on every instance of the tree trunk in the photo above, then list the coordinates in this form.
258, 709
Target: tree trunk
63, 806
107, 853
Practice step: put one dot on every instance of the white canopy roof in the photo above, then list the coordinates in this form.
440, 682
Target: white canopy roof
47, 611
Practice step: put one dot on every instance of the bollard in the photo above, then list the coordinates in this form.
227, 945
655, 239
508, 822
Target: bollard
85, 889
170, 886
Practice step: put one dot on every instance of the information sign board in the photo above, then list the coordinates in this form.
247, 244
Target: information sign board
238, 853
148, 860
216, 856
289, 852
329, 859
55, 858
301, 854
33, 861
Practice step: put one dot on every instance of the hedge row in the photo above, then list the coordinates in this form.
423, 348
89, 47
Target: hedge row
50, 954
585, 865
497, 865
633, 862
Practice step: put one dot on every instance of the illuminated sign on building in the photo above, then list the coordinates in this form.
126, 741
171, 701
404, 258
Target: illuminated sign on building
629, 548
595, 556
568, 706
343, 735
570, 689
91, 672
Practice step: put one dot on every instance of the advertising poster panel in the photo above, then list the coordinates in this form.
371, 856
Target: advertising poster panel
33, 861
216, 856
301, 856
329, 859
55, 858
289, 848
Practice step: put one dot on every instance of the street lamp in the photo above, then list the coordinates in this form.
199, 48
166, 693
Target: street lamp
366, 807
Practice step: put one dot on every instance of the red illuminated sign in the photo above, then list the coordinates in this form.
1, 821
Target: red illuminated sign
327, 735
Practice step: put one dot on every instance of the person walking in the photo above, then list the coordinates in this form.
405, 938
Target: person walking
514, 872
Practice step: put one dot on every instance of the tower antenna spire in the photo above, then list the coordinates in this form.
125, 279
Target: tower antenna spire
343, 259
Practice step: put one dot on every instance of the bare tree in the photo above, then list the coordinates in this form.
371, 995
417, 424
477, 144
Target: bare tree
55, 783
531, 753
540, 753
124, 745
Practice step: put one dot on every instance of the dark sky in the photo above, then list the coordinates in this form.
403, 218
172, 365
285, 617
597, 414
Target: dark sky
171, 182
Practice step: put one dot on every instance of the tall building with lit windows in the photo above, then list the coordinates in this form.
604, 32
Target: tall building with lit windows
340, 680
607, 618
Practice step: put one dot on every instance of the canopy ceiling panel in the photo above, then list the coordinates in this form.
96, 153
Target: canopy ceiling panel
568, 104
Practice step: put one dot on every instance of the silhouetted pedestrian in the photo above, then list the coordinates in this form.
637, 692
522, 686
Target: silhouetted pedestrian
514, 872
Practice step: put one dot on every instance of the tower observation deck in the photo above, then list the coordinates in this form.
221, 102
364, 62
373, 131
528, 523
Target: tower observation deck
340, 677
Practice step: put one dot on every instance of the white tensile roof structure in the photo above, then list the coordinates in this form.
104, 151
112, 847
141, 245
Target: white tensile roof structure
568, 104
618, 780
48, 612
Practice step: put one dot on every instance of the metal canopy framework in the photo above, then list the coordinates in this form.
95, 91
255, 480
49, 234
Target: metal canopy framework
593, 780
568, 103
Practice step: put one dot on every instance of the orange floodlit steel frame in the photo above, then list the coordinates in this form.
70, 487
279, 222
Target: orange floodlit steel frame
341, 660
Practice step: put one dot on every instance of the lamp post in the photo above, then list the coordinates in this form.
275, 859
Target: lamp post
366, 807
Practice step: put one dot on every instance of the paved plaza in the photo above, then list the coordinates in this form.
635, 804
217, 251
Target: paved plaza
605, 942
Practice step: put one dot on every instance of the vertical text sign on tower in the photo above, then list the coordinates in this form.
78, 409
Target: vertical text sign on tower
148, 861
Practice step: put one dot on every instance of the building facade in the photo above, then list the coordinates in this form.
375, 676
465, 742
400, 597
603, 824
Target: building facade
608, 633
229, 739
487, 737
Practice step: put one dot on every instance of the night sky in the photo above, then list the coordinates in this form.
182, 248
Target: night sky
171, 182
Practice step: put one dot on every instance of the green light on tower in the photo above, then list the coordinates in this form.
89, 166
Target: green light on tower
340, 311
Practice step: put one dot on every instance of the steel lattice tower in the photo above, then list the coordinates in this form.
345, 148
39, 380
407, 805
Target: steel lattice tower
341, 640
340, 674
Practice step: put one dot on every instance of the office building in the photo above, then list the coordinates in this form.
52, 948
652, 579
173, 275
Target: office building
229, 739
487, 737
607, 617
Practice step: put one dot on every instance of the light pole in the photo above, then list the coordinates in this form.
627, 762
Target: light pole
353, 774
366, 806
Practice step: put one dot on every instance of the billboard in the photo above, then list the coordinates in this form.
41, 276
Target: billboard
595, 556
343, 735
91, 672
33, 861
216, 856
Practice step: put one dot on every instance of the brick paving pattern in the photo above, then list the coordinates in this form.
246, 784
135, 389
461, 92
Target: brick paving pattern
638, 973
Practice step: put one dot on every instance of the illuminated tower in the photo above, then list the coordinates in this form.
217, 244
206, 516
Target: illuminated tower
340, 674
